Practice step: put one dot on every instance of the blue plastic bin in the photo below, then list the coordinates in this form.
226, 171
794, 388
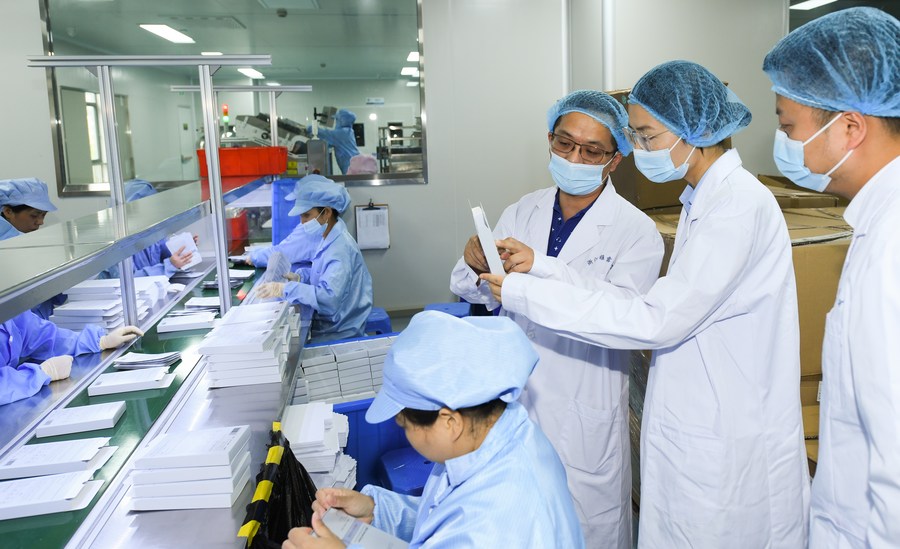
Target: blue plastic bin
378, 322
457, 309
367, 443
404, 471
282, 223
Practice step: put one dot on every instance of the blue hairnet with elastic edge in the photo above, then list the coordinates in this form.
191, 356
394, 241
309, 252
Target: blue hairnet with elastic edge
691, 102
311, 177
601, 107
318, 193
848, 60
344, 118
442, 361
28, 191
135, 189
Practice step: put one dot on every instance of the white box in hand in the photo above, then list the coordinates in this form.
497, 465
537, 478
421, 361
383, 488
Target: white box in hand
483, 229
185, 240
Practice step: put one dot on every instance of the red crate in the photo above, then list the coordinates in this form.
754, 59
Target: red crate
247, 161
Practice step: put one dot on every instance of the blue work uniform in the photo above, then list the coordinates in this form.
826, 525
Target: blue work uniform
296, 247
341, 138
27, 340
337, 286
7, 230
45, 309
510, 492
151, 261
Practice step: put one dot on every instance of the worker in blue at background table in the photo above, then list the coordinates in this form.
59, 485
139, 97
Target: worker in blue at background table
299, 245
23, 205
34, 352
337, 285
582, 231
723, 459
341, 138
452, 385
156, 259
837, 85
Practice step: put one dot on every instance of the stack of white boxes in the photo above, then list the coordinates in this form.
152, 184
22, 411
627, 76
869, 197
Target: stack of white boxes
99, 302
192, 470
249, 345
318, 436
342, 369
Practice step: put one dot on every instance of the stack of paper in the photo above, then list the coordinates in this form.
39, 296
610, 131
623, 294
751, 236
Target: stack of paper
202, 304
78, 419
354, 371
47, 494
342, 369
320, 372
99, 302
192, 470
132, 380
185, 241
173, 322
133, 361
343, 475
316, 435
74, 315
53, 458
378, 349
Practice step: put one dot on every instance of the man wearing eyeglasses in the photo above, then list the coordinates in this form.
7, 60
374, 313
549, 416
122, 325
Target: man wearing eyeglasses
582, 232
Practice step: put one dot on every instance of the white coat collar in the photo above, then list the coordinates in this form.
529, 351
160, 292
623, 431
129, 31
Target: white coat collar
874, 195
602, 212
711, 182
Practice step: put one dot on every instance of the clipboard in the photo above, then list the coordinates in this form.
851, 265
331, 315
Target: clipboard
373, 226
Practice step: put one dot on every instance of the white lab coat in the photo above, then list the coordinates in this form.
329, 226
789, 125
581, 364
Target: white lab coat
856, 492
578, 393
723, 461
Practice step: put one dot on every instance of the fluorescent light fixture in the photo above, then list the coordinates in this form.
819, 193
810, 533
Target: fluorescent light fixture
409, 71
373, 117
251, 73
411, 84
811, 4
413, 57
170, 34
270, 83
210, 53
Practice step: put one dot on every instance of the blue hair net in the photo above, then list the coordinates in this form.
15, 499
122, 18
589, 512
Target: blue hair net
136, 189
848, 60
311, 177
318, 193
28, 192
601, 107
344, 119
443, 361
691, 102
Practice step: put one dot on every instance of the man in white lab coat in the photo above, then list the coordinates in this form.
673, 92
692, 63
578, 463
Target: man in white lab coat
838, 104
578, 393
723, 460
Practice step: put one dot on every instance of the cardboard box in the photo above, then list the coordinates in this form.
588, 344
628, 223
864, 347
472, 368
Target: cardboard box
820, 239
810, 388
781, 182
811, 421
812, 453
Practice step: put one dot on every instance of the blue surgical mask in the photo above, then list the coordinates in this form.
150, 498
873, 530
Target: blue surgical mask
657, 166
576, 179
788, 154
313, 227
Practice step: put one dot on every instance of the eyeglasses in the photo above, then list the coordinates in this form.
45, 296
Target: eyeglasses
591, 154
639, 139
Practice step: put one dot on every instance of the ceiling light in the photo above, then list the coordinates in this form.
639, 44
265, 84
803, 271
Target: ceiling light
270, 83
413, 57
409, 71
170, 34
811, 4
252, 73
411, 84
373, 117
210, 53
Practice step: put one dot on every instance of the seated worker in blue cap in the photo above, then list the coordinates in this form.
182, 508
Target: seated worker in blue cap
156, 259
297, 246
337, 285
452, 385
341, 138
23, 205
34, 352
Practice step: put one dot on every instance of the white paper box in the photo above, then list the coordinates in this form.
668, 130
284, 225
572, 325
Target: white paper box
207, 501
79, 419
324, 376
216, 446
350, 364
48, 494
365, 369
349, 351
186, 474
53, 458
320, 368
225, 485
131, 380
364, 376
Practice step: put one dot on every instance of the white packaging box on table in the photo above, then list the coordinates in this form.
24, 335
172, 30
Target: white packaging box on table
378, 347
364, 376
79, 419
197, 487
47, 494
53, 458
324, 376
236, 340
344, 352
216, 446
364, 369
131, 380
321, 368
271, 351
355, 363
187, 474
313, 356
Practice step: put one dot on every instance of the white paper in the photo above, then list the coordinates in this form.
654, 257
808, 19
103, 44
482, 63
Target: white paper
351, 531
194, 448
202, 302
241, 274
51, 458
185, 240
139, 358
483, 229
131, 380
198, 321
372, 228
78, 419
48, 494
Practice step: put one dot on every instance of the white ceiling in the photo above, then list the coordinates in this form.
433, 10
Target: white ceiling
334, 39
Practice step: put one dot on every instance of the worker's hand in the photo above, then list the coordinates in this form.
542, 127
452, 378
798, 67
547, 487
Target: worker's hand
196, 239
293, 277
358, 506
179, 259
474, 256
270, 289
57, 367
119, 337
301, 538
496, 284
517, 257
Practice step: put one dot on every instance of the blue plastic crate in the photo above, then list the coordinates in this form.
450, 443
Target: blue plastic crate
458, 309
367, 443
405, 471
282, 223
